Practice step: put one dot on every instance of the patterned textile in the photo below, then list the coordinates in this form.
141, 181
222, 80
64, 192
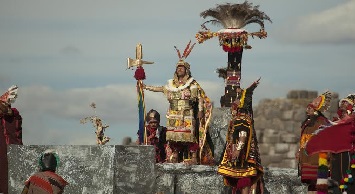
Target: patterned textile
248, 163
156, 137
182, 123
45, 183
309, 163
181, 116
246, 169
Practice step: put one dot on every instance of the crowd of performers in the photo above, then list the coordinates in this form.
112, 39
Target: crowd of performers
326, 163
185, 139
326, 154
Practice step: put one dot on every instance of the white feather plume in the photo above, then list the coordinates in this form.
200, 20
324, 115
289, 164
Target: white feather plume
11, 98
10, 95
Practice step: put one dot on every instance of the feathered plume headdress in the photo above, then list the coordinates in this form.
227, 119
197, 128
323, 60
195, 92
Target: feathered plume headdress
10, 95
233, 17
322, 102
185, 54
236, 16
350, 98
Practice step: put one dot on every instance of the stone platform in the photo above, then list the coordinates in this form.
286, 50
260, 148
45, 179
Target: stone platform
116, 169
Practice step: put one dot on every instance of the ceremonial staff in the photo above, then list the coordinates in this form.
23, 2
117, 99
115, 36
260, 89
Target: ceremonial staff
139, 74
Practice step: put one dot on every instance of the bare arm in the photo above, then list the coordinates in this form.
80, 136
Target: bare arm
154, 88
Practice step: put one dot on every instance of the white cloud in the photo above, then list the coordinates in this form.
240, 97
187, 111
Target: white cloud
74, 103
333, 26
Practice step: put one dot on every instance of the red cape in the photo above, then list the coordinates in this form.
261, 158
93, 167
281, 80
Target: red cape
335, 139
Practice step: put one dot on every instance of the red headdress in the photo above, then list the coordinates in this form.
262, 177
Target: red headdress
185, 54
322, 102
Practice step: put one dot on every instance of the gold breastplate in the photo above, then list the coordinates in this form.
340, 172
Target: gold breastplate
176, 104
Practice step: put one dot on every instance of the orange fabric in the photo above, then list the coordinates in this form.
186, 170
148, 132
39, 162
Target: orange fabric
43, 184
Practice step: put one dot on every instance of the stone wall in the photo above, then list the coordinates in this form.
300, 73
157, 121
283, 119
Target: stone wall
88, 169
278, 122
132, 170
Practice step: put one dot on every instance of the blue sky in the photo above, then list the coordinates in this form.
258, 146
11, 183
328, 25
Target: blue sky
65, 54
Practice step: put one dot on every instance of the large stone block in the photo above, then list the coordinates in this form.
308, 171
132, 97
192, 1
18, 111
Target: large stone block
287, 181
260, 123
303, 94
289, 126
278, 124
299, 114
272, 112
266, 160
281, 148
134, 167
276, 158
283, 104
287, 115
264, 149
291, 154
270, 132
271, 139
218, 130
289, 138
88, 169
180, 178
334, 104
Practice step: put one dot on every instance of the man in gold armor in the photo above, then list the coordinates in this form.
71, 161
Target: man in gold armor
189, 108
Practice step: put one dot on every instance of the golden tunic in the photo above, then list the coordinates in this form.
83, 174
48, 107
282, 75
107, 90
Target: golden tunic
183, 100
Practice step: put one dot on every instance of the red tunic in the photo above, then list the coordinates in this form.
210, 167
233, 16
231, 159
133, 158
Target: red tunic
45, 183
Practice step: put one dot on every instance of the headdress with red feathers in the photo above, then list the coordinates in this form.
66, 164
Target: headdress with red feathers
185, 54
322, 102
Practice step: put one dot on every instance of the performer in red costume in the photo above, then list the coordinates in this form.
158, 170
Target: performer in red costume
156, 135
309, 164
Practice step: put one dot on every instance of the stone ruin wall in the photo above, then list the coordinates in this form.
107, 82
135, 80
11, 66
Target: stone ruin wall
117, 169
278, 123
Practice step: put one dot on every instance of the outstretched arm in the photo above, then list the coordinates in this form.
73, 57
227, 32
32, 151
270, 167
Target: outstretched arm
254, 85
154, 88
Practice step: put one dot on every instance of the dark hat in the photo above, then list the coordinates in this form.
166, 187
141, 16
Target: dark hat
153, 116
48, 161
